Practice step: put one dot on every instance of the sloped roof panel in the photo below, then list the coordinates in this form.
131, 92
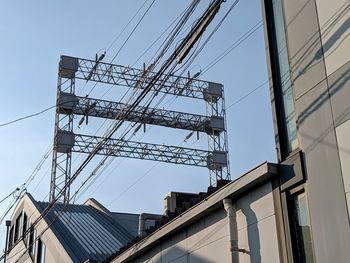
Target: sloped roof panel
85, 231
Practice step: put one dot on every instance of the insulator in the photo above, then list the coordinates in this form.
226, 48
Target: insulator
197, 74
102, 56
188, 136
137, 128
81, 121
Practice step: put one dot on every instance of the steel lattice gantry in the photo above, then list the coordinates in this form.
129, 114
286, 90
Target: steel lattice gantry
69, 105
112, 110
140, 150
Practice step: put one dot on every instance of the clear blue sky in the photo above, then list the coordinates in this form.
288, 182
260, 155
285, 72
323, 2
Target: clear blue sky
35, 33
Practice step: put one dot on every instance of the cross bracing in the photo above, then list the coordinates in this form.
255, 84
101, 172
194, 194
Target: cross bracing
141, 150
161, 117
91, 70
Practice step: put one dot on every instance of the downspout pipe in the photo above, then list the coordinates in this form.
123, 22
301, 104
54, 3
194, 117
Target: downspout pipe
8, 224
142, 222
232, 228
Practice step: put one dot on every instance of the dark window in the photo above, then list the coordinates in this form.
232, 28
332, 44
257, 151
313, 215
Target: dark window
18, 227
25, 227
41, 252
300, 228
31, 245
10, 238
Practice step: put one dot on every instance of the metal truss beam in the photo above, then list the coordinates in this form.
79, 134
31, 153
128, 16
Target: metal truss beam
91, 70
140, 150
71, 104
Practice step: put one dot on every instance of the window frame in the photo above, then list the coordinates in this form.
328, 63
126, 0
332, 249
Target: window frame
18, 228
294, 235
279, 107
10, 242
41, 252
25, 224
31, 242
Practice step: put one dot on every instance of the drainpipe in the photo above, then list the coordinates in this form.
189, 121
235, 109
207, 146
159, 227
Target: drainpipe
232, 228
142, 222
8, 223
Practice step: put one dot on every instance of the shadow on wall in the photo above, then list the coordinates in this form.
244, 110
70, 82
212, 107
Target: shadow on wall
316, 104
253, 235
312, 44
246, 207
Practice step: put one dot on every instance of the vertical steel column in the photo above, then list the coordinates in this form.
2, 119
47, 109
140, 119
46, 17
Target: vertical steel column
217, 140
62, 150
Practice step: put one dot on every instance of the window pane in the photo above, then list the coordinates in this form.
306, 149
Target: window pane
41, 252
10, 238
32, 237
285, 81
303, 247
18, 227
25, 227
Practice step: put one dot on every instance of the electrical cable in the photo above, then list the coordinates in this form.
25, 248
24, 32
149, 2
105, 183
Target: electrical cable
23, 188
125, 27
216, 28
127, 39
120, 33
105, 158
233, 46
248, 94
27, 116
190, 56
5, 198
114, 127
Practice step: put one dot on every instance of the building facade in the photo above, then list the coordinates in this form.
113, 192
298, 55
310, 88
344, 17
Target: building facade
308, 53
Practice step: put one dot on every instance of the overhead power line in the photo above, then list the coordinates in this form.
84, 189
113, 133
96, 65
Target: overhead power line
126, 26
233, 46
5, 198
127, 39
247, 95
27, 116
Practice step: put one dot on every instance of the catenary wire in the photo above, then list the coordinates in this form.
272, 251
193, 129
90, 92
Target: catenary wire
127, 39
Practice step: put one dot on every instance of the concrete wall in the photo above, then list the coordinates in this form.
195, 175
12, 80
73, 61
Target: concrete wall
207, 240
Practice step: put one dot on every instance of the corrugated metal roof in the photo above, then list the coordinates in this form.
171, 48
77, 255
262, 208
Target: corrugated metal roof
85, 232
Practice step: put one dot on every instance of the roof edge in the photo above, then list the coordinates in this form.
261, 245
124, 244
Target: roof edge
242, 184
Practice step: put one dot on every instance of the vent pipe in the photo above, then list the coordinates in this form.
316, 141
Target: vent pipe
232, 228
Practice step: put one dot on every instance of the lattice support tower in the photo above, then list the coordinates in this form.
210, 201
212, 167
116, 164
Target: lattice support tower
69, 105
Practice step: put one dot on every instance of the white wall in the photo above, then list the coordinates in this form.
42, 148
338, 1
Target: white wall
257, 231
